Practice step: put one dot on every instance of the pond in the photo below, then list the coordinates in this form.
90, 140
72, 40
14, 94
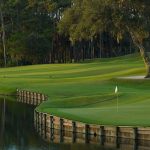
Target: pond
17, 132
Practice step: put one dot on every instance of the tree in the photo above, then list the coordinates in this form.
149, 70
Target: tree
3, 31
53, 9
86, 19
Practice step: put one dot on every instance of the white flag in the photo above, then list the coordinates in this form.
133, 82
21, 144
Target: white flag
116, 89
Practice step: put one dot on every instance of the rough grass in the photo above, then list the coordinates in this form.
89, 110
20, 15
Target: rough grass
85, 91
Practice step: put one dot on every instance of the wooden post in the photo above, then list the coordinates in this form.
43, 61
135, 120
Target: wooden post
51, 122
102, 131
51, 135
21, 94
25, 100
25, 97
21, 99
61, 124
135, 133
29, 101
45, 125
38, 122
24, 93
35, 100
38, 97
41, 124
135, 144
61, 137
32, 101
73, 126
73, 131
86, 133
117, 137
51, 128
102, 135
117, 131
27, 94
31, 95
35, 119
61, 129
34, 95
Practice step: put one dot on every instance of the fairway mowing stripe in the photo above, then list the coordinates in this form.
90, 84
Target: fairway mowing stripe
110, 99
107, 108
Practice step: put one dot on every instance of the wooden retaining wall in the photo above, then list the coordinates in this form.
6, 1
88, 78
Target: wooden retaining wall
56, 136
46, 123
31, 98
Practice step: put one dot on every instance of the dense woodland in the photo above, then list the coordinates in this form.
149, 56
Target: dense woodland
65, 31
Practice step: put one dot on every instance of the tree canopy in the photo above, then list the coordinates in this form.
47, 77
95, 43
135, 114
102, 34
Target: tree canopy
50, 31
86, 19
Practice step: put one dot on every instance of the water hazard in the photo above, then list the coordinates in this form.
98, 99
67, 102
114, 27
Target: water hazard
17, 132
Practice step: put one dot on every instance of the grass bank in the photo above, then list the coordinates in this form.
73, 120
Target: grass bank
85, 91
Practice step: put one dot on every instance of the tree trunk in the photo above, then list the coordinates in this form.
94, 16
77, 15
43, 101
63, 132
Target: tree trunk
146, 60
143, 53
3, 35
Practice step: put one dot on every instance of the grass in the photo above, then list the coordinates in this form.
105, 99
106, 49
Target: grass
85, 91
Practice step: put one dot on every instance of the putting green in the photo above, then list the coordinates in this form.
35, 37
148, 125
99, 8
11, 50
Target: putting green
85, 91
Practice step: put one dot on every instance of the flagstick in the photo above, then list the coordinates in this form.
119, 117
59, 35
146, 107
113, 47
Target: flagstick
117, 103
116, 92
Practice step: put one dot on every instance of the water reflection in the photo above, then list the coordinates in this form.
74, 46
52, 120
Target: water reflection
101, 142
17, 133
16, 125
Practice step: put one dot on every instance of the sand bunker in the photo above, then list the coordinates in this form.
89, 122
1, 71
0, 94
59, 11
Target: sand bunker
135, 78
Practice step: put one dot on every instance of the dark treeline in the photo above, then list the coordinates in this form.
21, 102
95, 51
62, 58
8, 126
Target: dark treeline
32, 32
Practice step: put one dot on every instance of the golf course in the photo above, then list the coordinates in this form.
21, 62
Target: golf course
86, 91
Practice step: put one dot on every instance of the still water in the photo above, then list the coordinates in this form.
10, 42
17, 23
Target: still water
17, 133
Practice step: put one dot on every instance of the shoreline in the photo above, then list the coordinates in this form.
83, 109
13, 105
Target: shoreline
45, 122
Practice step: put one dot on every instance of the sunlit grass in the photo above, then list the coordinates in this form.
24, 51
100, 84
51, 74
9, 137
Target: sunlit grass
85, 91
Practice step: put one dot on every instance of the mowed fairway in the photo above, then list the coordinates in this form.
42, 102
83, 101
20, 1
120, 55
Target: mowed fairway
85, 91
